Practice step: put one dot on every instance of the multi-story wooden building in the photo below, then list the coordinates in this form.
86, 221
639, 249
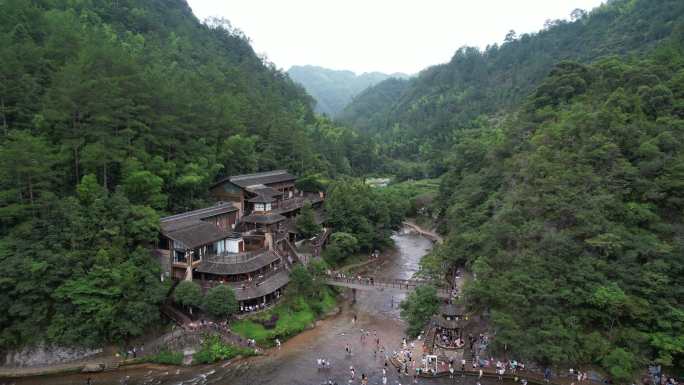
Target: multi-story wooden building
242, 241
267, 200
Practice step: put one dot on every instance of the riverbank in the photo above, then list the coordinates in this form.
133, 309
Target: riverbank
295, 361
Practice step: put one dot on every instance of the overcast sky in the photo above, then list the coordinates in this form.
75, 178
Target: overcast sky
380, 35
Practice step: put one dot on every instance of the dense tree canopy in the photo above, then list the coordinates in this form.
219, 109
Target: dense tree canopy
220, 301
570, 215
112, 114
188, 293
306, 222
366, 213
418, 307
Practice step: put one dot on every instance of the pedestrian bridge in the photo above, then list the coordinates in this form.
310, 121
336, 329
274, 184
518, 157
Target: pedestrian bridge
393, 285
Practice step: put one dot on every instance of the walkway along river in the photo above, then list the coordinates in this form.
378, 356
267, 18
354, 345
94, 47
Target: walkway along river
295, 362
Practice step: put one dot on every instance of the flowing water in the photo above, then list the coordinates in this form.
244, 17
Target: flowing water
295, 362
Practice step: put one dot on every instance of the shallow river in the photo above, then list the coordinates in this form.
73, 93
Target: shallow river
295, 362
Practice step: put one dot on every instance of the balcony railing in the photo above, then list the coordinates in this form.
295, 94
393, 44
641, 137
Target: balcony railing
227, 257
239, 285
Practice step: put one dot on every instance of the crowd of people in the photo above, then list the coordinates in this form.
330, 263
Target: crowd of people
449, 341
340, 276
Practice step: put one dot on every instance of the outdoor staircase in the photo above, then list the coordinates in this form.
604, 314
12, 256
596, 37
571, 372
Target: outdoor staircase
174, 314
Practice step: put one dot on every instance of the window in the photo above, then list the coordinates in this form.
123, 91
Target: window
179, 257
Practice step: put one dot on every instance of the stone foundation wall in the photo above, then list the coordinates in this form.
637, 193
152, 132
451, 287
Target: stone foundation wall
42, 355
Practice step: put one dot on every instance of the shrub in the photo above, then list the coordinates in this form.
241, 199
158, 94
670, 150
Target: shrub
213, 349
166, 357
188, 293
220, 301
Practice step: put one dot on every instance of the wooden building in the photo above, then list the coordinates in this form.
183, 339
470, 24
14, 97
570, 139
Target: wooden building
189, 237
243, 241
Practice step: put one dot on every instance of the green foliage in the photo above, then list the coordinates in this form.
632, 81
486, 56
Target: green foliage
295, 314
220, 301
302, 282
79, 271
107, 123
340, 246
413, 197
366, 213
188, 293
165, 357
26, 172
213, 350
568, 216
145, 188
619, 363
306, 222
418, 308
238, 155
312, 183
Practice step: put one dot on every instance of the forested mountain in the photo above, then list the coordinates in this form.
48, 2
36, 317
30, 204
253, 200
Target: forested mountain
369, 110
334, 89
424, 114
570, 214
113, 113
564, 189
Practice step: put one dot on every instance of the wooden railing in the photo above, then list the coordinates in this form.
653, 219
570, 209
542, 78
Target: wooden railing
237, 285
380, 284
227, 257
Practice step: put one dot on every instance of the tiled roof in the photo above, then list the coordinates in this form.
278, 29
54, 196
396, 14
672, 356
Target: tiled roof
260, 189
190, 229
197, 233
270, 285
228, 266
265, 178
266, 219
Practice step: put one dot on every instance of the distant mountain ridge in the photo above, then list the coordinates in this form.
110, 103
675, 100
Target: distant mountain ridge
445, 98
334, 89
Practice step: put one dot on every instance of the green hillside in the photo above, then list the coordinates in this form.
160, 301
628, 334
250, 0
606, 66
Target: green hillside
570, 216
332, 89
113, 113
428, 111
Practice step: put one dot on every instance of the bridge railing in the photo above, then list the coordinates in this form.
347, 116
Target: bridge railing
371, 282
